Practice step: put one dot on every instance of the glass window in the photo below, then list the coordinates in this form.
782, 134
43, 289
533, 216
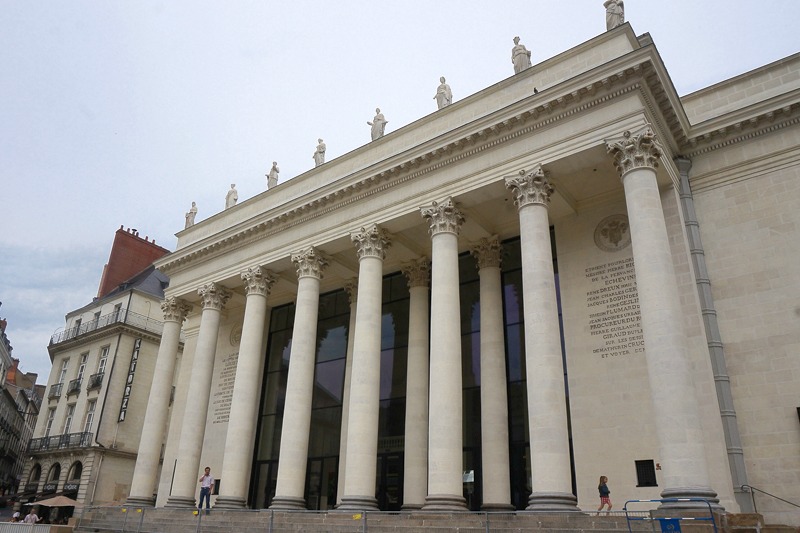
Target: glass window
51, 415
90, 407
68, 419
63, 375
82, 365
101, 365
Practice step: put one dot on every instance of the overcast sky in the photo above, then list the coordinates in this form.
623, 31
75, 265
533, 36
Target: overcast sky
123, 113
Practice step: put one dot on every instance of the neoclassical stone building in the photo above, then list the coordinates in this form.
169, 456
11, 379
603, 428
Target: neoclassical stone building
493, 306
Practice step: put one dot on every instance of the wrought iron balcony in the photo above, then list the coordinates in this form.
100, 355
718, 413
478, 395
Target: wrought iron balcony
55, 391
95, 381
60, 442
74, 387
117, 317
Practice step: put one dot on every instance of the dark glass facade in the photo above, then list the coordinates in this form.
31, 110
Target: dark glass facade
332, 335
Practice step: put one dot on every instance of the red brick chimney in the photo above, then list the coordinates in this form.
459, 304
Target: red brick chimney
130, 254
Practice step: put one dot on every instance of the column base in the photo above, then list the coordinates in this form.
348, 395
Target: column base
140, 501
497, 507
181, 502
552, 501
288, 503
411, 507
358, 503
230, 502
444, 502
681, 493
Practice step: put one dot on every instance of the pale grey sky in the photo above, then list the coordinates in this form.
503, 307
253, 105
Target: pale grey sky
123, 113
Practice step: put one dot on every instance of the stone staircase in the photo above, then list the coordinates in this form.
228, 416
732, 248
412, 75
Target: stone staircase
150, 520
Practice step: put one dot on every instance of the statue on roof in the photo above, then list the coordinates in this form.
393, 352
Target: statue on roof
272, 177
615, 13
378, 125
520, 56
232, 197
190, 216
319, 154
444, 97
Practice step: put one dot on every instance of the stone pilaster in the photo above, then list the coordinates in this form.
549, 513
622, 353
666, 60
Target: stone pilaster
193, 425
547, 413
300, 384
362, 431
415, 465
143, 484
685, 472
496, 480
237, 461
445, 439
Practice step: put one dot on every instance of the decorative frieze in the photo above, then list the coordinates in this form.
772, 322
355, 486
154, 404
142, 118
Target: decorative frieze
175, 309
488, 252
443, 217
531, 187
639, 149
418, 272
371, 241
309, 263
214, 296
258, 281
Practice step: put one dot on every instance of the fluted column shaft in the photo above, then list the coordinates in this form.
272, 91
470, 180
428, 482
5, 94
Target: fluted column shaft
415, 464
352, 292
496, 478
143, 484
289, 492
445, 438
193, 425
547, 413
362, 429
237, 461
677, 420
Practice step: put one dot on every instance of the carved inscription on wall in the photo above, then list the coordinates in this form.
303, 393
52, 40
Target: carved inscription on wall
221, 402
613, 303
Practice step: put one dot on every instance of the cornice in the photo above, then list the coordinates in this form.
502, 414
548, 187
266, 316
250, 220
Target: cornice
100, 334
538, 111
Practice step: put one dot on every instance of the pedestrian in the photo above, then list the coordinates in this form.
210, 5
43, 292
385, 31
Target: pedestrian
605, 494
206, 488
31, 517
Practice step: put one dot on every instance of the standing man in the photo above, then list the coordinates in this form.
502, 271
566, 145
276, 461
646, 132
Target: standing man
206, 488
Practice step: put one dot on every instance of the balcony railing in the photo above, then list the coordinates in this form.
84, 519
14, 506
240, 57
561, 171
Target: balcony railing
95, 381
117, 317
74, 387
55, 391
60, 442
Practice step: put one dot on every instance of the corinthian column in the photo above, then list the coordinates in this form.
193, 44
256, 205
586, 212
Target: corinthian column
362, 430
236, 462
145, 472
496, 479
299, 384
677, 421
415, 463
445, 444
547, 409
193, 426
351, 287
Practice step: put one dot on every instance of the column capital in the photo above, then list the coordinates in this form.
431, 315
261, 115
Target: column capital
351, 288
175, 309
214, 296
418, 272
638, 149
443, 217
531, 187
371, 241
487, 252
309, 263
684, 164
258, 280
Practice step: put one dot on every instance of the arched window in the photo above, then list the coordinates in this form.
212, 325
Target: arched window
36, 473
75, 471
54, 474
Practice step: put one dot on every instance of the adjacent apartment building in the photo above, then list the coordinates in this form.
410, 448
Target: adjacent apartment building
87, 434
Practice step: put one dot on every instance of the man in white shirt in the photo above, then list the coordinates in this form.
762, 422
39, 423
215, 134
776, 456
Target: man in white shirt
206, 488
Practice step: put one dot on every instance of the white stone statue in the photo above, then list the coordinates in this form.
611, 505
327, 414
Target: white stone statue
190, 216
232, 197
378, 124
520, 56
615, 13
319, 155
444, 97
272, 177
